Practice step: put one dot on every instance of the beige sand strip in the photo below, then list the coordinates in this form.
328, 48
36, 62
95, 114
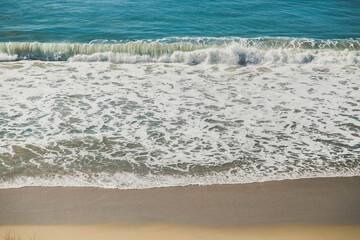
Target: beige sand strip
178, 232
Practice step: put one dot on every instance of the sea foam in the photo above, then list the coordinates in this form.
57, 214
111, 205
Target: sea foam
159, 124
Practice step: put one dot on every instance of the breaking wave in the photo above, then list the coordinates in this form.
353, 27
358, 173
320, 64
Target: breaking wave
230, 51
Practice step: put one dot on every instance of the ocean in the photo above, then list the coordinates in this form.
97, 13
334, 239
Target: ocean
148, 93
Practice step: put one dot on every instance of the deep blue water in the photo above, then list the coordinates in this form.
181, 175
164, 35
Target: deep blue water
85, 20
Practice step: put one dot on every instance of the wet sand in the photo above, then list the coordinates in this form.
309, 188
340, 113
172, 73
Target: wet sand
304, 201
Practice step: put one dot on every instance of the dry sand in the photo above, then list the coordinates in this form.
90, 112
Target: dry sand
322, 208
179, 232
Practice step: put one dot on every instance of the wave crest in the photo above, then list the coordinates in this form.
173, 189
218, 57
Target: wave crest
232, 51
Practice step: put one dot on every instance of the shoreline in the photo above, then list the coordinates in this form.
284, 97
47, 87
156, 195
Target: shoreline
9, 185
322, 201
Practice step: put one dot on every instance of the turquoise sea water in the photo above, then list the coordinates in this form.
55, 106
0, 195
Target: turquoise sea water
144, 93
82, 21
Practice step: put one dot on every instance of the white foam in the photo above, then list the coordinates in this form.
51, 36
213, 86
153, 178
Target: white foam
5, 57
133, 181
159, 124
112, 57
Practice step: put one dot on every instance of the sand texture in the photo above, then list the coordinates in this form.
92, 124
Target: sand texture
325, 201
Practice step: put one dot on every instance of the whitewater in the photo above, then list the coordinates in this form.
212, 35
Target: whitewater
178, 111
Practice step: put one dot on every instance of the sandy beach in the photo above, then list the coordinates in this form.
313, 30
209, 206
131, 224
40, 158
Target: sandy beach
179, 120
321, 208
